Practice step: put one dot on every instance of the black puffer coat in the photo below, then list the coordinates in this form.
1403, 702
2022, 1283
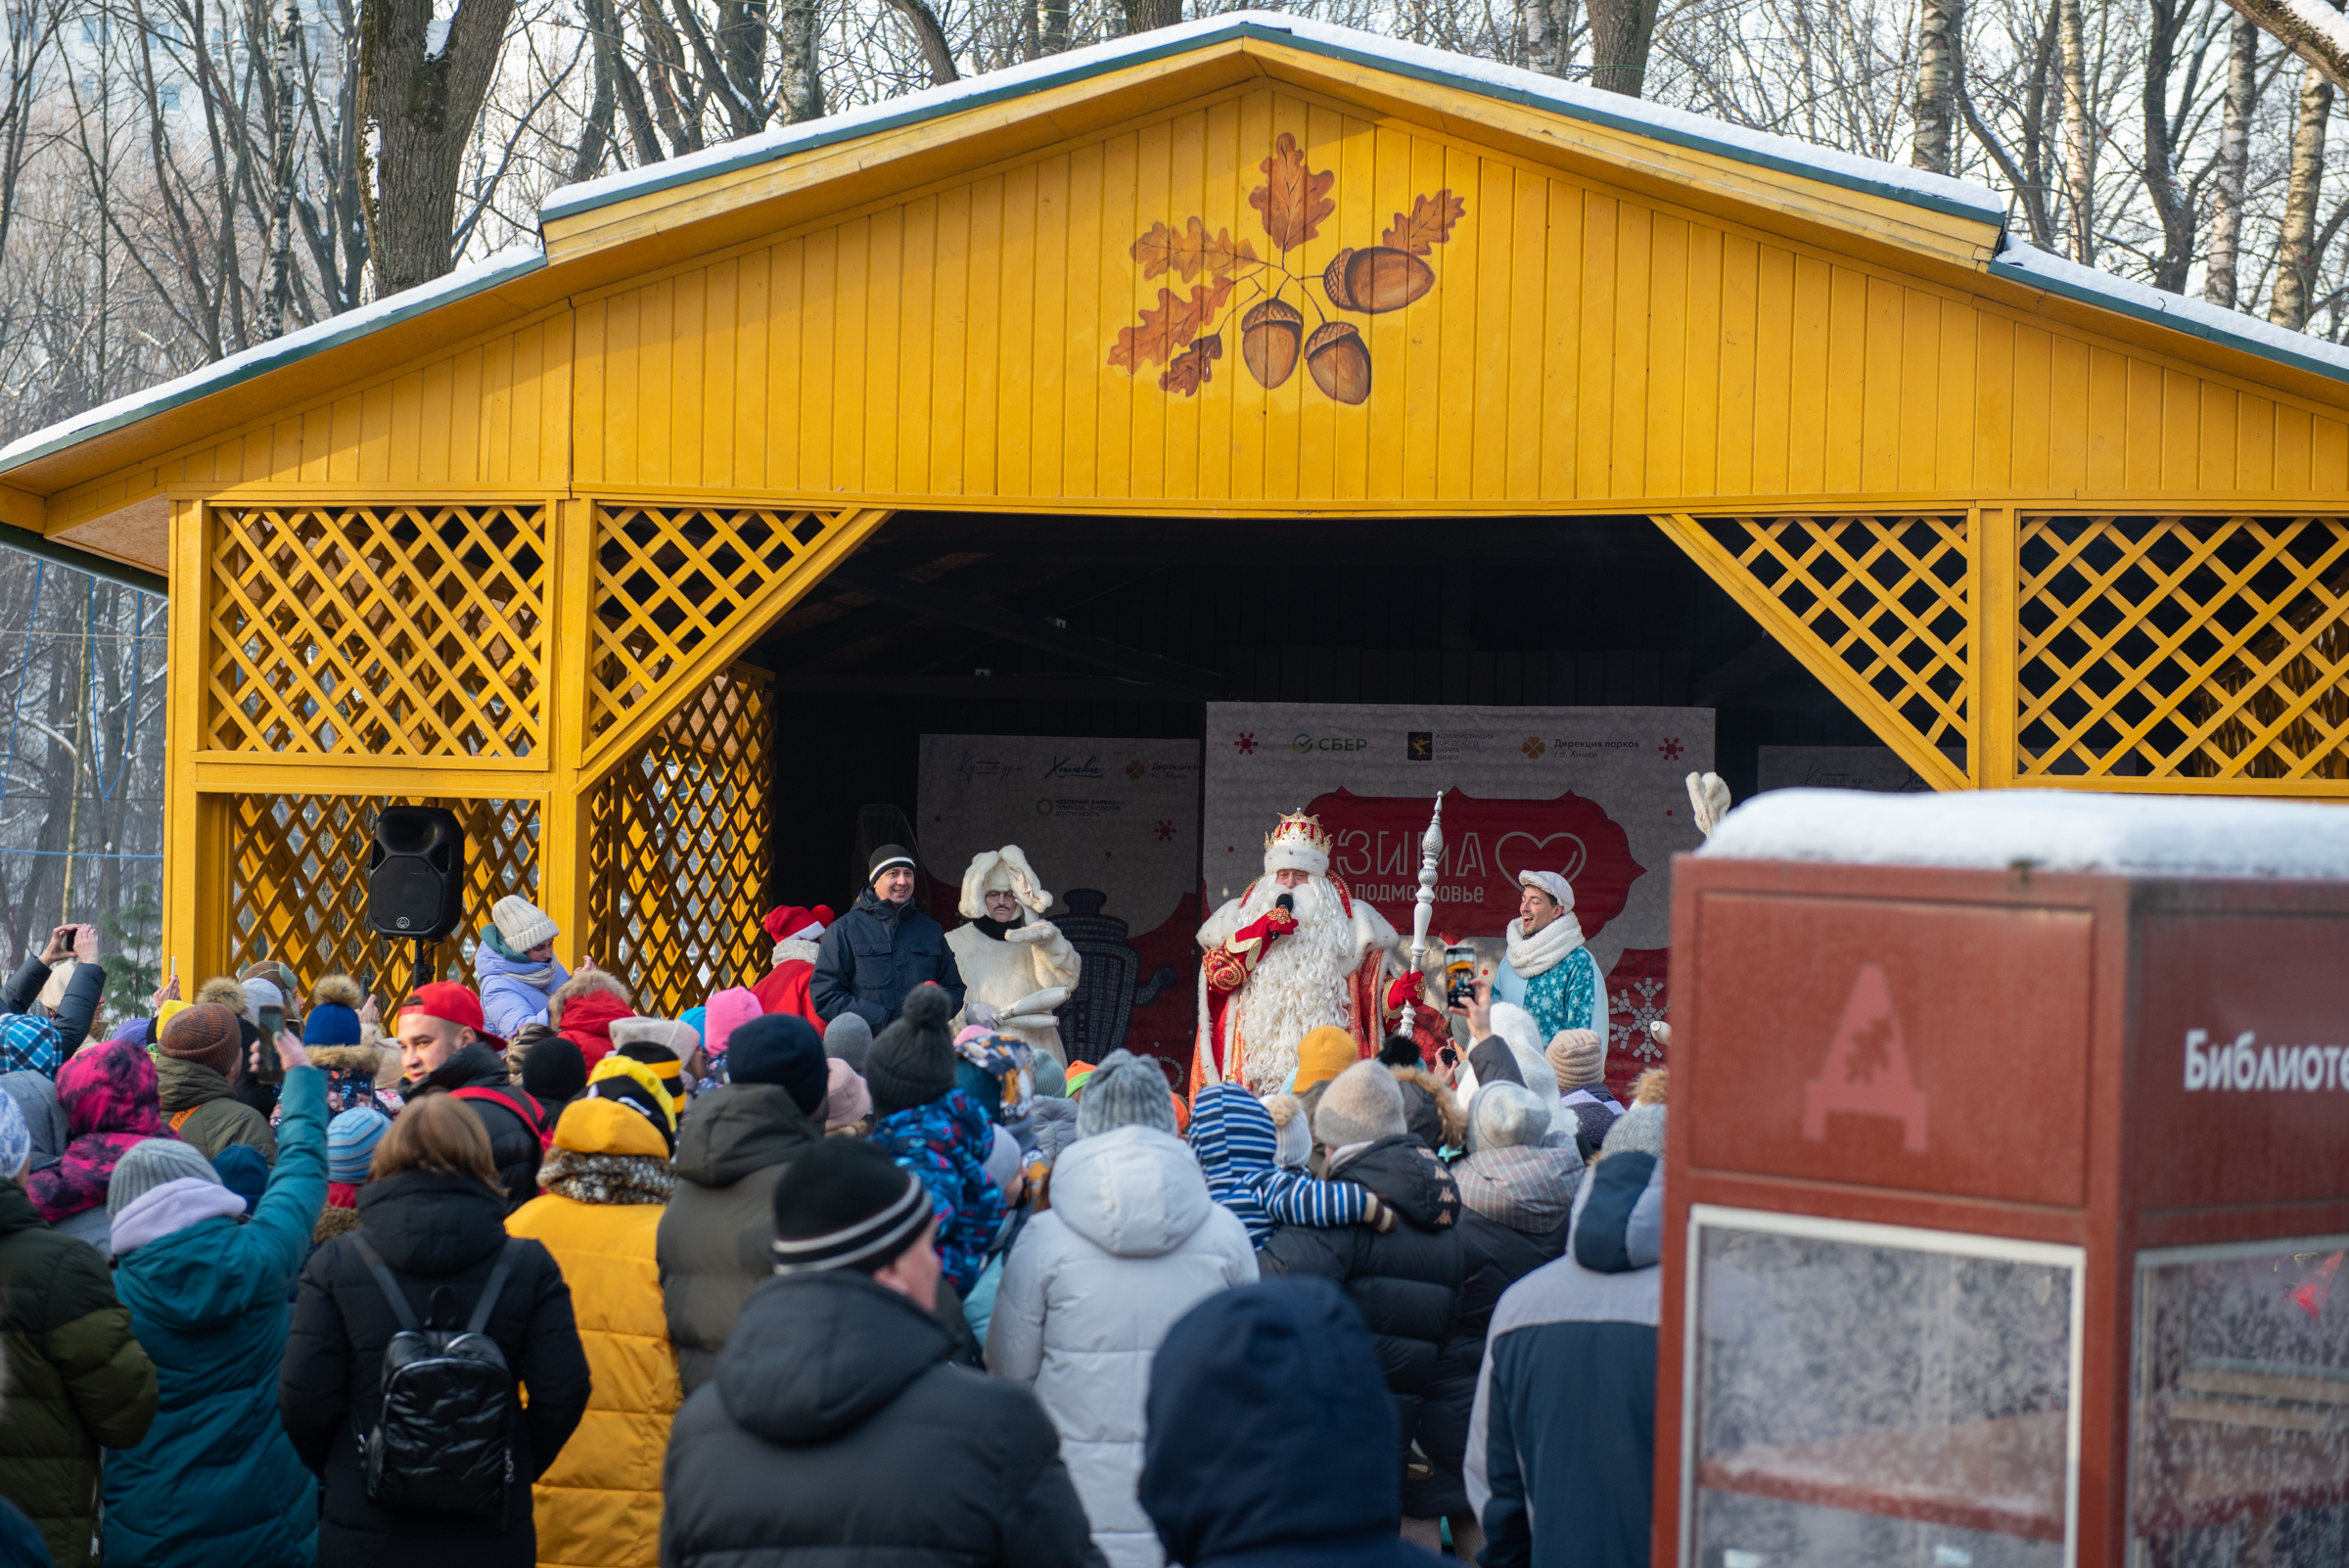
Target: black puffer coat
1528, 1193
717, 1234
512, 1143
74, 1012
440, 1234
837, 1432
874, 955
1407, 1281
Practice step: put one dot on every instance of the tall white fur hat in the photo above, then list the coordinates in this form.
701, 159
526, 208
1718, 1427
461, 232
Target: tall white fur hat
1004, 868
1298, 843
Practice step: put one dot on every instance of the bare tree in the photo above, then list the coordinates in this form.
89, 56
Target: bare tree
1941, 27
1621, 33
2233, 161
2079, 132
421, 85
2296, 239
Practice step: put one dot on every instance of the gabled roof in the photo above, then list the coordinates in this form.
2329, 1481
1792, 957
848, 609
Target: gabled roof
586, 227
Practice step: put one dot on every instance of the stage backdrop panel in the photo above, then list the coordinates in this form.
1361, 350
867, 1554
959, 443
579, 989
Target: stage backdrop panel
1110, 826
1597, 793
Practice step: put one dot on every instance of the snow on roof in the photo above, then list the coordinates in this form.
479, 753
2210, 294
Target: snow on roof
262, 358
1939, 192
2049, 830
2204, 320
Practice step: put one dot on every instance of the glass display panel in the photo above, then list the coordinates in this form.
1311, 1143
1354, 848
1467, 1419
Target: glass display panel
2238, 1416
1859, 1402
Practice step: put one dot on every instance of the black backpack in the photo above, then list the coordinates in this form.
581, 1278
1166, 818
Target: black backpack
439, 1442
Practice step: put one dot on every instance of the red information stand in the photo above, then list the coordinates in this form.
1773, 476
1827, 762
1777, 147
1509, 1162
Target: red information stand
2008, 1206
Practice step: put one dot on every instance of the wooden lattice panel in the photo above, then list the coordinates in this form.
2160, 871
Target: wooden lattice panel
1884, 598
678, 850
669, 578
2168, 647
385, 631
297, 887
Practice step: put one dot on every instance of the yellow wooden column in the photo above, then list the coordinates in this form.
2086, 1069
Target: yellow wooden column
1990, 711
563, 820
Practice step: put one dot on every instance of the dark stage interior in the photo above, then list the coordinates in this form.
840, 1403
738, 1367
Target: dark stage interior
1022, 624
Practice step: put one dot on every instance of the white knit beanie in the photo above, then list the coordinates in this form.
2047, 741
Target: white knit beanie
1504, 1115
521, 923
1362, 1105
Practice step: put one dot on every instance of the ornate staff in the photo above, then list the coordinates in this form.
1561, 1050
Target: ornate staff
1430, 854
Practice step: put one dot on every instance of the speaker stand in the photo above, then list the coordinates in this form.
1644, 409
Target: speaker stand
423, 966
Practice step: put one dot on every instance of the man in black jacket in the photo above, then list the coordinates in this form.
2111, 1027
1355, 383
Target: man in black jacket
837, 1429
443, 1045
882, 948
77, 945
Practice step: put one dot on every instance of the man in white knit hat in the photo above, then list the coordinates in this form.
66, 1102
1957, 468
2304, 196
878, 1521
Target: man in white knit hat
1547, 971
1015, 965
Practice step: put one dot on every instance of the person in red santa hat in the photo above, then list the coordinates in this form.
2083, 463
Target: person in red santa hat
785, 988
1294, 952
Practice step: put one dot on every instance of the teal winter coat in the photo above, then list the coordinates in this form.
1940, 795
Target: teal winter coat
216, 1480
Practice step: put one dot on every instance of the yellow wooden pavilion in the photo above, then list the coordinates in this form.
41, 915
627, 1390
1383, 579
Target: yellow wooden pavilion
505, 540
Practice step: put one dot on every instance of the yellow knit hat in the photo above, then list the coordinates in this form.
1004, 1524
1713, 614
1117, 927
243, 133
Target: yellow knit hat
1324, 1054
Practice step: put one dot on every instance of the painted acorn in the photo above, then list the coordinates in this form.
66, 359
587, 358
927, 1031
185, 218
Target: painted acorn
1340, 361
1270, 336
1376, 278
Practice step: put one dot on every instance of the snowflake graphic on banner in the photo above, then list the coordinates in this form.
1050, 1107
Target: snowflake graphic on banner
1634, 1008
1166, 831
1246, 743
1671, 749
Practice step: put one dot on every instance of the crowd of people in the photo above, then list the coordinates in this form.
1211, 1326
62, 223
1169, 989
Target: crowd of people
849, 1265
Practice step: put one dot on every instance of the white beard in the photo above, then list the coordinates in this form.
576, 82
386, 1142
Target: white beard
1297, 986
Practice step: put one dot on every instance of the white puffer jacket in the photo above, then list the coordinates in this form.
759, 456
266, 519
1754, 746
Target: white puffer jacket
1131, 1243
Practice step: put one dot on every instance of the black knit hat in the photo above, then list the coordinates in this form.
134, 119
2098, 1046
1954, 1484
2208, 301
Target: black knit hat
884, 857
553, 1070
912, 1061
844, 1204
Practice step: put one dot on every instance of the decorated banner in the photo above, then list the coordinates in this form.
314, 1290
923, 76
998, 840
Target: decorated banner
1111, 827
1597, 794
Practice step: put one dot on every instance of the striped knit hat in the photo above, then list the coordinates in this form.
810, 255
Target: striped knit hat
350, 1140
847, 1206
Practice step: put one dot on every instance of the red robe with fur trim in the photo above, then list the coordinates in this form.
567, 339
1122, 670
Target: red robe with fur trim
784, 987
1374, 1004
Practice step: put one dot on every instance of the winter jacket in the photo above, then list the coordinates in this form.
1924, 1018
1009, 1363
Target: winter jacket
215, 1120
513, 1143
1431, 1113
1406, 1281
514, 991
1515, 1204
440, 1234
732, 1148
216, 1481
35, 1094
78, 1378
587, 1021
836, 1433
1271, 1445
600, 1501
1232, 1137
109, 1097
1131, 1242
1562, 1444
945, 1143
74, 1012
788, 987
877, 952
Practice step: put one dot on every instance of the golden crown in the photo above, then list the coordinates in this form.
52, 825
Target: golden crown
1295, 827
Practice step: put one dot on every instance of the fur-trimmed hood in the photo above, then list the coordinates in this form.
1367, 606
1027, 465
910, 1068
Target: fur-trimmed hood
1449, 1117
365, 1058
796, 949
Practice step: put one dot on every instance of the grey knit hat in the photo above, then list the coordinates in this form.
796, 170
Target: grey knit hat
1124, 1090
851, 1038
1362, 1105
1504, 1115
1637, 1130
150, 1163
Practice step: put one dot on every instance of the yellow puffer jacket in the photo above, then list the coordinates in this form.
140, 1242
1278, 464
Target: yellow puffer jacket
598, 1505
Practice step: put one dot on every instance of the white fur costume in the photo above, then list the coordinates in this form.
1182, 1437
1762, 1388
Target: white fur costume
1030, 972
1304, 979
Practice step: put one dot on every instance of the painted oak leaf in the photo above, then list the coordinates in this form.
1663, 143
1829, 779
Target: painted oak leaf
1428, 225
1174, 323
1193, 367
1191, 251
1293, 200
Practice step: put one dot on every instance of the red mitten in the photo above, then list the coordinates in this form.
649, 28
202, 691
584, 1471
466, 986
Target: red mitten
1275, 922
1404, 988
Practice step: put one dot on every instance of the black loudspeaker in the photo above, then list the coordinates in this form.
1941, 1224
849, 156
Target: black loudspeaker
416, 873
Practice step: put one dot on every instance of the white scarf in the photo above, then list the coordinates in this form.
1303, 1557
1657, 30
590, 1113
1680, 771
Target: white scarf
1545, 949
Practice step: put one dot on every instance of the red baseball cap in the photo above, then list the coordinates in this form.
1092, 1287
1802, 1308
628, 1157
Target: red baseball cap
452, 1004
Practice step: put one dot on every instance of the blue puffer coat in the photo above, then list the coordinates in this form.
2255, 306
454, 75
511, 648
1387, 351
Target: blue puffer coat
216, 1481
874, 955
515, 991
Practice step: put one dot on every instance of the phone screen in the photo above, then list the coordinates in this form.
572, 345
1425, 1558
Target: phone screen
272, 1019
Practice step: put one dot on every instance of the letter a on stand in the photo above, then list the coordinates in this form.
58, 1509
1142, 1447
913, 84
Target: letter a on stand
1866, 1070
